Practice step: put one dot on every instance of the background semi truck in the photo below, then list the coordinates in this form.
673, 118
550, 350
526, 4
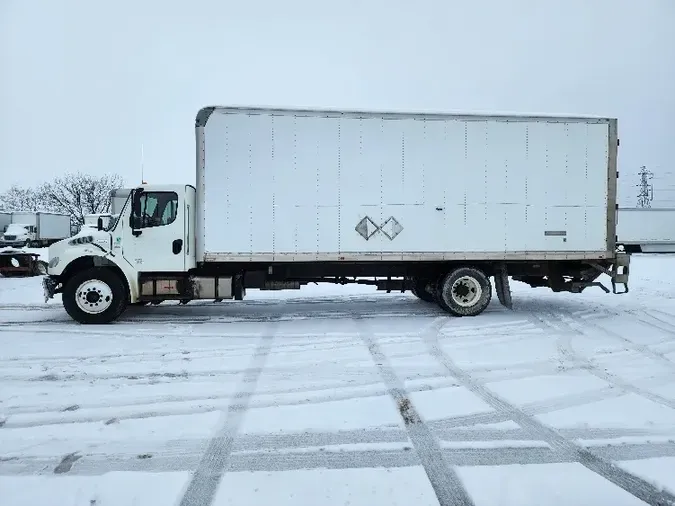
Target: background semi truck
35, 229
646, 230
438, 204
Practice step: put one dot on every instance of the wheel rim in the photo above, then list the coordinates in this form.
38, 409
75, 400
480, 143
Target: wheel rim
466, 291
93, 296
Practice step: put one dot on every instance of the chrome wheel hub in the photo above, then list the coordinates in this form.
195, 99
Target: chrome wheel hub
466, 291
93, 296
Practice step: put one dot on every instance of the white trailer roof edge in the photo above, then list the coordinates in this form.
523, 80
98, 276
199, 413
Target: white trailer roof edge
205, 113
38, 212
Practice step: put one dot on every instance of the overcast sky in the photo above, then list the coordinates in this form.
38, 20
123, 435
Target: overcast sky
83, 83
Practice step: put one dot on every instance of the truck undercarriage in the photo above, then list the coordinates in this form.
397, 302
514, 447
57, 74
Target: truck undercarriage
220, 281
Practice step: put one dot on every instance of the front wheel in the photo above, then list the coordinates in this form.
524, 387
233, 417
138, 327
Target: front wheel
96, 295
466, 291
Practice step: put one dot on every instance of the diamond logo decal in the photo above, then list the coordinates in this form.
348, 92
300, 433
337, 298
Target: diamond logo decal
391, 228
367, 228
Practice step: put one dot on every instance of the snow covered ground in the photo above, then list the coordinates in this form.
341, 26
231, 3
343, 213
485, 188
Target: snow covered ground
343, 395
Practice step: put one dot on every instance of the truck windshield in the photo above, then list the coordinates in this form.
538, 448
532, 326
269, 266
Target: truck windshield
15, 228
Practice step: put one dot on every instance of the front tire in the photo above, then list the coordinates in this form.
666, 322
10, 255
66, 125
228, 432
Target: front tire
465, 292
96, 295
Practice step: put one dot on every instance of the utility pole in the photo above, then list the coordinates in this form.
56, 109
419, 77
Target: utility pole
646, 189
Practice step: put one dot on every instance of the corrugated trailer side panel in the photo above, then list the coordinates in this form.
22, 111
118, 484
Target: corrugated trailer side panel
328, 186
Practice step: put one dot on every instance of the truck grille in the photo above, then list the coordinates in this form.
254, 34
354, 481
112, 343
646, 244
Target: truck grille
10, 238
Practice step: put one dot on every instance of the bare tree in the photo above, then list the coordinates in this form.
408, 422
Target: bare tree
80, 194
22, 199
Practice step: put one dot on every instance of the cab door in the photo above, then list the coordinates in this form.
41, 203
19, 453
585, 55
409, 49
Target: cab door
154, 239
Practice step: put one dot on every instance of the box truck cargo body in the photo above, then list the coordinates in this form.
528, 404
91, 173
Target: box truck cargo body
433, 203
646, 230
35, 229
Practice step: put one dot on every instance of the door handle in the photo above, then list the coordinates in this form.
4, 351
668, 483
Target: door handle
177, 246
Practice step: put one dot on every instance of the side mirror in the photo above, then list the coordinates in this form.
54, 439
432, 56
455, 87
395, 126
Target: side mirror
136, 211
136, 201
99, 223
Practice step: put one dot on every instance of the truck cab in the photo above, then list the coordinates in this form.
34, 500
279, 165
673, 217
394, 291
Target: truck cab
98, 271
18, 235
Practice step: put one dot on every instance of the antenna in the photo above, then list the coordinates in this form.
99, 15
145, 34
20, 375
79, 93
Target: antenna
142, 165
646, 192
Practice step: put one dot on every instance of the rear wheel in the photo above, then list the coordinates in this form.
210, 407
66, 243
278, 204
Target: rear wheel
419, 289
96, 295
465, 291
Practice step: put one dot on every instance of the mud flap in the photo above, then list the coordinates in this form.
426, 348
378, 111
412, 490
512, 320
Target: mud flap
503, 287
48, 288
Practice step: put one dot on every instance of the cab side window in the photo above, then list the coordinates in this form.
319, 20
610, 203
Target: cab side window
156, 209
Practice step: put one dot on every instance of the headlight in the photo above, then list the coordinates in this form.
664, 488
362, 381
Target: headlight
81, 240
53, 262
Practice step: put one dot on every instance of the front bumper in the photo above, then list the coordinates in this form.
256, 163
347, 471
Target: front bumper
12, 244
49, 287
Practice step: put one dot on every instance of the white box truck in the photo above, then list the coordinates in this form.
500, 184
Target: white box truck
35, 229
437, 204
646, 230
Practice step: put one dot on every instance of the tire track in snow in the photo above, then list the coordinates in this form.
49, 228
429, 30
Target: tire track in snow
204, 482
447, 486
187, 405
646, 316
578, 326
565, 347
567, 449
303, 457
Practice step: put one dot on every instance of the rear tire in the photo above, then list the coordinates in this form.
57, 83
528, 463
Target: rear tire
96, 295
465, 291
419, 289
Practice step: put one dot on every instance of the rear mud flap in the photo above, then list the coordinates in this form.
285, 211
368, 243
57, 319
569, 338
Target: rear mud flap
503, 287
